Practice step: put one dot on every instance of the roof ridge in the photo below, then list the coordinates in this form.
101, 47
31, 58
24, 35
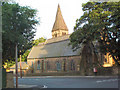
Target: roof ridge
57, 39
59, 36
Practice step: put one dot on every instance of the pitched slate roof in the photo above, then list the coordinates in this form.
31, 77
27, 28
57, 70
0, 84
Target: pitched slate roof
55, 47
59, 21
57, 39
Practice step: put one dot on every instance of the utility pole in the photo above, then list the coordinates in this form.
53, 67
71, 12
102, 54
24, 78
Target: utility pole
20, 66
16, 60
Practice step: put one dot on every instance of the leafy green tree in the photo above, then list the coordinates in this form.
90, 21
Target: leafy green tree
100, 22
37, 41
18, 27
26, 53
24, 56
34, 43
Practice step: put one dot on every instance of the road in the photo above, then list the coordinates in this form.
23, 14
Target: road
68, 82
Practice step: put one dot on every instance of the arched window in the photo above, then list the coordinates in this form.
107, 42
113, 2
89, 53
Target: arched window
42, 66
105, 60
63, 33
58, 64
32, 68
56, 35
64, 64
38, 65
48, 65
32, 65
72, 65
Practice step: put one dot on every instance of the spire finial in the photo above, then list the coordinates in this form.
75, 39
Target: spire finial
59, 21
59, 24
58, 5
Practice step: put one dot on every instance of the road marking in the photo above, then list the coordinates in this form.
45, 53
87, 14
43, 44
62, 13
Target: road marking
108, 80
44, 86
26, 86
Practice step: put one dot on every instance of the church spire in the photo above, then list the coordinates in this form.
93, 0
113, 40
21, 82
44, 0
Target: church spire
59, 27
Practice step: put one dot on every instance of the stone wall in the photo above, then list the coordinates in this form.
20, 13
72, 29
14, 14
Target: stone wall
84, 63
88, 59
10, 80
57, 64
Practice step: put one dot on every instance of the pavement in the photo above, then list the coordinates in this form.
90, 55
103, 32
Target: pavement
70, 76
68, 82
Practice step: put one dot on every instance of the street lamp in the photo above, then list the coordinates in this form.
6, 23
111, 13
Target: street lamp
20, 66
16, 60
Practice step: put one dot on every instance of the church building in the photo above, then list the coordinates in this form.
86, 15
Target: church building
55, 55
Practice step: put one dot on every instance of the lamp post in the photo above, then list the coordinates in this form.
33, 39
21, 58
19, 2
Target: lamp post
16, 60
20, 66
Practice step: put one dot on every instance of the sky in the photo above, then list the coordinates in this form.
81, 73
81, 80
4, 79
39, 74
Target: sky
71, 10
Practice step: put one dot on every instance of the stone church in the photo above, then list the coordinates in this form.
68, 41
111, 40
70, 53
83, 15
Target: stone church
55, 55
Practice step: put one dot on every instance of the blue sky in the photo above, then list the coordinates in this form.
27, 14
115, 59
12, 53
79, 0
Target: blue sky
71, 10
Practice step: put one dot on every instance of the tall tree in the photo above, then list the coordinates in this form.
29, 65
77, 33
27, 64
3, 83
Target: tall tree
37, 41
34, 43
24, 55
18, 27
100, 22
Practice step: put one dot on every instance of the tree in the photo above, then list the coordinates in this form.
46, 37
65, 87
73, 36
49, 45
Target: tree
34, 43
37, 41
7, 1
10, 63
18, 27
100, 22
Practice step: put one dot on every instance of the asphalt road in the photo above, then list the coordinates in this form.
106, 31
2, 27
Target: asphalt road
68, 82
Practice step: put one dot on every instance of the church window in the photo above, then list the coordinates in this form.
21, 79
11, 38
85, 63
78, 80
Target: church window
55, 35
63, 33
64, 64
48, 65
42, 65
106, 60
32, 68
38, 65
72, 65
58, 64
32, 64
